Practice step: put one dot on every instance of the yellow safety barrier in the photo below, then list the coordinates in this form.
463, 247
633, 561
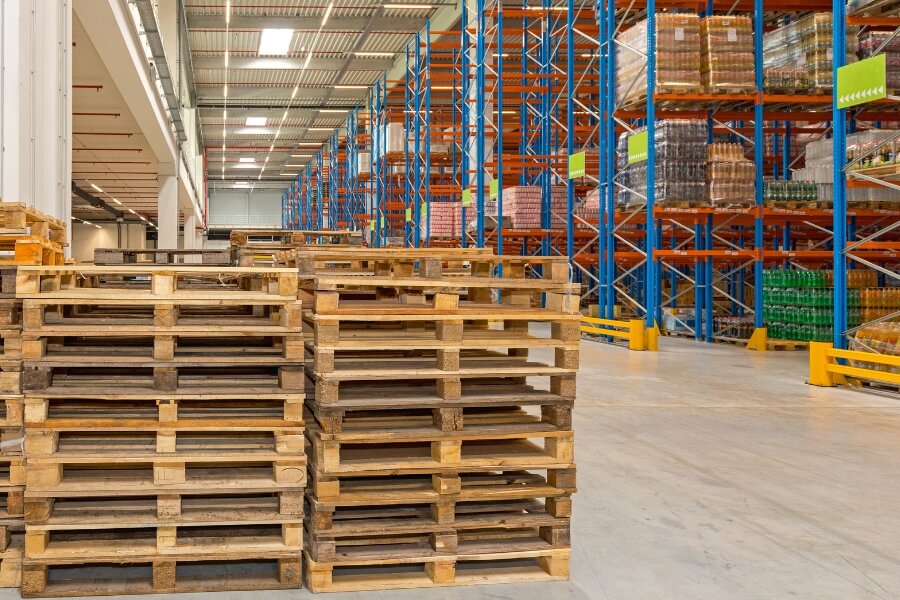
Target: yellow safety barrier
633, 331
826, 371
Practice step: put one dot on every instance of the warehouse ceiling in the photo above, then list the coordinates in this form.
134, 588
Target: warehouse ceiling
275, 78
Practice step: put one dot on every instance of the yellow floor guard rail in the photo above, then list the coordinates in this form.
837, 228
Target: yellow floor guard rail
634, 331
825, 370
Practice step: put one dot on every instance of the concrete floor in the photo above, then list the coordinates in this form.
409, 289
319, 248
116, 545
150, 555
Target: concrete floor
714, 472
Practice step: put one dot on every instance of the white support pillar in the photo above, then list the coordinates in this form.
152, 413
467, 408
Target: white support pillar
36, 104
167, 207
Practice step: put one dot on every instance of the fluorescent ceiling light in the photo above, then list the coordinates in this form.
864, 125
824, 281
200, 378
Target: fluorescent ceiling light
321, 128
96, 188
256, 122
132, 211
294, 166
334, 110
287, 174
310, 144
246, 166
98, 227
252, 131
327, 14
350, 87
275, 42
247, 159
117, 201
301, 155
372, 54
408, 6
86, 222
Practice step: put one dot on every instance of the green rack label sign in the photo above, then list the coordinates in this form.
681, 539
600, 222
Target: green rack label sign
409, 214
637, 147
862, 82
495, 189
467, 198
576, 165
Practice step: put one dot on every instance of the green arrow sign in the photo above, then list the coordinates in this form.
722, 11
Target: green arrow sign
576, 165
637, 147
467, 198
862, 82
495, 189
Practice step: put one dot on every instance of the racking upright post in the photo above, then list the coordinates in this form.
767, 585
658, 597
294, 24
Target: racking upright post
839, 137
650, 266
758, 149
480, 57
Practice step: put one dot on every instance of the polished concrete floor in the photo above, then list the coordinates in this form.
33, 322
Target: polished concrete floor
711, 472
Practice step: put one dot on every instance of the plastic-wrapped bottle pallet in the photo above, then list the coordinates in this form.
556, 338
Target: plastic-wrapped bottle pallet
870, 41
681, 162
727, 46
798, 56
819, 165
677, 57
732, 177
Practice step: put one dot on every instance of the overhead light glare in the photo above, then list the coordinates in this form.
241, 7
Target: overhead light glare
255, 122
407, 6
247, 159
275, 42
327, 14
96, 188
374, 54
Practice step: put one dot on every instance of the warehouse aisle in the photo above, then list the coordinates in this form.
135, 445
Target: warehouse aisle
709, 472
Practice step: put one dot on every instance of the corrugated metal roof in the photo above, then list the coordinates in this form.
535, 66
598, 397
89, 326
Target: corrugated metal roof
267, 92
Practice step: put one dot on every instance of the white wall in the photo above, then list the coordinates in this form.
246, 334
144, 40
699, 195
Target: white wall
239, 208
87, 237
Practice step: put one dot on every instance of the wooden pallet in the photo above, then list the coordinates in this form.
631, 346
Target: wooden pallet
123, 411
439, 541
173, 379
158, 510
11, 563
157, 284
29, 250
401, 418
460, 569
68, 477
123, 256
241, 237
87, 576
161, 349
444, 487
786, 345
19, 217
505, 438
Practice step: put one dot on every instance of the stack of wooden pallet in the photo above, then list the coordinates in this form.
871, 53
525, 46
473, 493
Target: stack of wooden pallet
155, 256
260, 246
12, 479
163, 429
30, 237
440, 427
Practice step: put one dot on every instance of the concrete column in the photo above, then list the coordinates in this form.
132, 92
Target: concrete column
167, 207
36, 104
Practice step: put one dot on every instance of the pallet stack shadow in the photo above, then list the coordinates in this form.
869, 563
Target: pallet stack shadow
440, 418
163, 429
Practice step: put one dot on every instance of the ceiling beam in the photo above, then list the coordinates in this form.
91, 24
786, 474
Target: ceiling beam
386, 24
95, 201
315, 63
207, 93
